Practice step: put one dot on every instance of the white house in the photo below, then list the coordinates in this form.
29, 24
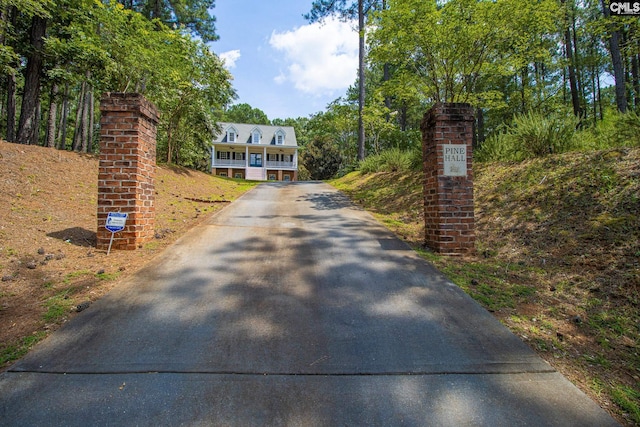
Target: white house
258, 152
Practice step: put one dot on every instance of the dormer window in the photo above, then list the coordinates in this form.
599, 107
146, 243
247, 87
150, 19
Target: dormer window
232, 134
279, 137
255, 136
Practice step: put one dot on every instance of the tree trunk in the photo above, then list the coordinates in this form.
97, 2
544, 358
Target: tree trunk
599, 98
11, 17
91, 119
27, 128
577, 66
77, 133
85, 119
169, 144
635, 80
361, 135
573, 84
568, 51
11, 107
62, 145
53, 115
616, 61
403, 117
480, 119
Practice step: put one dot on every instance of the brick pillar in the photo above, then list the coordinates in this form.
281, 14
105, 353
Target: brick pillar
447, 136
127, 168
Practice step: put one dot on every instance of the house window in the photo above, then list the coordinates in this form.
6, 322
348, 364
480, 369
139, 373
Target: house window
223, 155
272, 177
231, 136
238, 175
222, 174
272, 157
287, 178
279, 139
255, 137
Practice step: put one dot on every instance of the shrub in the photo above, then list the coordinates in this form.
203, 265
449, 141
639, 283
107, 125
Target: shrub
321, 158
531, 135
396, 160
371, 164
392, 160
619, 130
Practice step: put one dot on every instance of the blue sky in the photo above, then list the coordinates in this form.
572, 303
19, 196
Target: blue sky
281, 64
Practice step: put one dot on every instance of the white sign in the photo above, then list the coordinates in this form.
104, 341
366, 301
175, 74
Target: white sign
455, 159
116, 221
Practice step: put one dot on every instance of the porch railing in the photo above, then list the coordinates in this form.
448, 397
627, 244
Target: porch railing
278, 164
230, 162
244, 164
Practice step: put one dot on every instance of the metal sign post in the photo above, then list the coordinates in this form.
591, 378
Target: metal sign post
115, 222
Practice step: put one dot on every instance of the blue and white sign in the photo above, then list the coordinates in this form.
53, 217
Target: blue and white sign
116, 221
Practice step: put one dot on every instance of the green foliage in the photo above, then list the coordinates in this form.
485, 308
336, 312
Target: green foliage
193, 15
244, 113
616, 130
338, 124
392, 160
154, 48
15, 351
321, 159
57, 307
627, 398
442, 53
371, 164
531, 135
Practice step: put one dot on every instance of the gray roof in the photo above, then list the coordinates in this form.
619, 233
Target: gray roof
268, 134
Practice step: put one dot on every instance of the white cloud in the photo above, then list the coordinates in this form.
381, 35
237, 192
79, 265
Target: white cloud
320, 58
230, 58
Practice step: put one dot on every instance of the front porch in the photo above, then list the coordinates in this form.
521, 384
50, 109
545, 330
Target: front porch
255, 163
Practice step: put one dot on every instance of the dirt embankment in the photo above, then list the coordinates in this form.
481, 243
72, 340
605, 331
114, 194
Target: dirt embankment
49, 267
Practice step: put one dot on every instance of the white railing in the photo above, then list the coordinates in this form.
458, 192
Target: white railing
230, 162
283, 165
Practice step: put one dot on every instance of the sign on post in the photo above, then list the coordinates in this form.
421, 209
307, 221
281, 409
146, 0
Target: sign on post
455, 159
115, 222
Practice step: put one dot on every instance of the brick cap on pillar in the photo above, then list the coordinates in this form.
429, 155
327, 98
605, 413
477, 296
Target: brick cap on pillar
449, 111
119, 101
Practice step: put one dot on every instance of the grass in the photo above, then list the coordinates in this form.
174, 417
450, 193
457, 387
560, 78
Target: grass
57, 306
18, 349
558, 258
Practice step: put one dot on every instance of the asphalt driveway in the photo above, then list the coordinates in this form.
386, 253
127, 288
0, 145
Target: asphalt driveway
289, 307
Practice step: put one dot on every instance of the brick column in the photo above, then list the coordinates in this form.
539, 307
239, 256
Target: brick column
447, 136
127, 168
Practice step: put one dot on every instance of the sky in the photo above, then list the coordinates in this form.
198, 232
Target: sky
280, 63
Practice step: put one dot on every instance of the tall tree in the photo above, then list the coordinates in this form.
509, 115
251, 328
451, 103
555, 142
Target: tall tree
570, 55
616, 60
195, 15
321, 9
29, 119
245, 113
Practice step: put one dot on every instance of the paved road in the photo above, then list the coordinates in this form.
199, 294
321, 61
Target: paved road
289, 307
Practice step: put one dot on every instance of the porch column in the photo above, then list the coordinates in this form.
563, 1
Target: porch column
246, 157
